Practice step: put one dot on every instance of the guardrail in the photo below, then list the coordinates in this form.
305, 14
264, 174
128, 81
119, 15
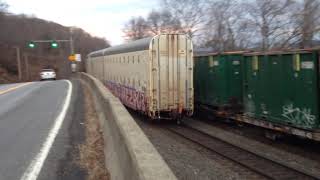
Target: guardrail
129, 154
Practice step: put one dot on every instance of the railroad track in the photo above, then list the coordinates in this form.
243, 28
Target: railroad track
253, 162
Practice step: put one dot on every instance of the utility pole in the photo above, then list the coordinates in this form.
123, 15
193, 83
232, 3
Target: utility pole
18, 62
71, 41
26, 61
73, 64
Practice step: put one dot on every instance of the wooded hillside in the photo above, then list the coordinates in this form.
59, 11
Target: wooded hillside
18, 30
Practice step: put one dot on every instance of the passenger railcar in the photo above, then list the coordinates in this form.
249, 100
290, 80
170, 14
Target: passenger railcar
151, 75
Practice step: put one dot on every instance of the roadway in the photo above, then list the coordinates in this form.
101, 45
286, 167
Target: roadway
31, 116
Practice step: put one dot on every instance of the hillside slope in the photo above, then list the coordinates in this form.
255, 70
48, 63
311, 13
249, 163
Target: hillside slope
18, 30
6, 77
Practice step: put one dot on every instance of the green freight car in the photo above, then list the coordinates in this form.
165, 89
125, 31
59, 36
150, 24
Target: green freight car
281, 91
218, 82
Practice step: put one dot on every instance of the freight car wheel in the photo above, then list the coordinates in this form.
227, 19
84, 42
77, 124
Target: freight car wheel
272, 135
240, 124
179, 121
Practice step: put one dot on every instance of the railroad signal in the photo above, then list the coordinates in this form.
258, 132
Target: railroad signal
31, 45
54, 44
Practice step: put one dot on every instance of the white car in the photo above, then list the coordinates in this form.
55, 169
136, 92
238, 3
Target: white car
47, 74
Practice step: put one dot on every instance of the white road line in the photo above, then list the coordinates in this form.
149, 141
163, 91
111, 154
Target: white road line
36, 164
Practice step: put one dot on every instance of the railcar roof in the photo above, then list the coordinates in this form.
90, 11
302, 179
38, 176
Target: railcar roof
288, 51
138, 45
219, 53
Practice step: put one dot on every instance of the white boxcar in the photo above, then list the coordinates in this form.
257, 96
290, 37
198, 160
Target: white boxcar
151, 75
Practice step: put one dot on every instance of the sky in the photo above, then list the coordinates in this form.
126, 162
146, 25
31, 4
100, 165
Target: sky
102, 18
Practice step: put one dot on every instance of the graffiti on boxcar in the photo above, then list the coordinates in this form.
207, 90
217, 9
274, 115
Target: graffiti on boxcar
298, 115
250, 107
128, 96
263, 107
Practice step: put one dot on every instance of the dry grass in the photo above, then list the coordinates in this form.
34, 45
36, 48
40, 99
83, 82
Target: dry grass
91, 152
6, 77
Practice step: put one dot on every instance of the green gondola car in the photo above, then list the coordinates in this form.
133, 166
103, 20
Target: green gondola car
283, 88
274, 90
218, 82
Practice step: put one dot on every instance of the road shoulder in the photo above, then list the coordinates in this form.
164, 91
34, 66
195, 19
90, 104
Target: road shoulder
61, 162
77, 153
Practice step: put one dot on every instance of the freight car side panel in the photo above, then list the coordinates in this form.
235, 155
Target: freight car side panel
218, 80
283, 88
203, 74
217, 65
303, 110
127, 77
234, 77
237, 73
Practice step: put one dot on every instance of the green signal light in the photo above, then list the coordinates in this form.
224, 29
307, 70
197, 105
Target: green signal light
31, 45
54, 45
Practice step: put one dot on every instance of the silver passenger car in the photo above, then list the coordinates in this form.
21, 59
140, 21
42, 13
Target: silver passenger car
151, 75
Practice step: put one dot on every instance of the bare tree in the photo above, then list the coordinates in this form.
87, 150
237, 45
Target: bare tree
162, 22
189, 12
220, 28
157, 22
269, 17
3, 8
307, 21
303, 26
136, 28
226, 25
175, 16
227, 28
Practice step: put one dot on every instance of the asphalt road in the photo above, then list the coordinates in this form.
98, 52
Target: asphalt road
31, 118
7, 86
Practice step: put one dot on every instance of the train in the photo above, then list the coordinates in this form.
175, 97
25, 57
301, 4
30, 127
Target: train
276, 90
153, 75
163, 78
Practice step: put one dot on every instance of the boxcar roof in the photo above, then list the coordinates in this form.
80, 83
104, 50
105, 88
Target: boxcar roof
219, 53
288, 51
138, 45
